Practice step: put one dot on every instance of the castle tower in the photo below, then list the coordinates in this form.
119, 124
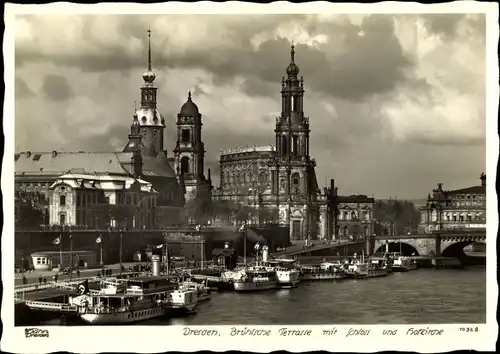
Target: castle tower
294, 177
152, 123
189, 152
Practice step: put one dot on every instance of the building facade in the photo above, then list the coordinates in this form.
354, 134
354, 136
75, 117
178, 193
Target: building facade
281, 178
78, 199
455, 209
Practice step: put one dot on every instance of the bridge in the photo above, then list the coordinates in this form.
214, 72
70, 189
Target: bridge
325, 249
448, 243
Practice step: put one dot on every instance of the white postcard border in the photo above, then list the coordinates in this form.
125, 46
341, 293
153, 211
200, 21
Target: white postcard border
147, 339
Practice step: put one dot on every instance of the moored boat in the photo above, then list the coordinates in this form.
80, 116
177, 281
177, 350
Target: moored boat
286, 274
122, 301
403, 264
202, 292
321, 272
362, 270
255, 279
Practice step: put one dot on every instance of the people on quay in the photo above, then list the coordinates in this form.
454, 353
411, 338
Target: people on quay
25, 280
40, 279
78, 273
44, 280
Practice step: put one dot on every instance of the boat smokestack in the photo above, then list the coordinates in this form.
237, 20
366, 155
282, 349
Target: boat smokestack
265, 253
155, 260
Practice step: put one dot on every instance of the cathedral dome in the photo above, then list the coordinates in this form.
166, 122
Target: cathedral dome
189, 109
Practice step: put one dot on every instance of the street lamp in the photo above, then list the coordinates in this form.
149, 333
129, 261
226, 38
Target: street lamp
70, 255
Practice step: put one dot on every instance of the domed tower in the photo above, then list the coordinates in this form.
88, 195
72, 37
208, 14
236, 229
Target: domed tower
152, 123
189, 152
294, 177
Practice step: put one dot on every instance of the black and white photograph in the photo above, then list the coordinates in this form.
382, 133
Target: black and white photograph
250, 171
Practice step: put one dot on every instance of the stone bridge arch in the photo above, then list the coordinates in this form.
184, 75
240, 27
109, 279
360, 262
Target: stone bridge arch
454, 247
419, 246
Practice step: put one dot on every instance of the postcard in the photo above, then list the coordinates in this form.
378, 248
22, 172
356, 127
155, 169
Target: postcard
254, 177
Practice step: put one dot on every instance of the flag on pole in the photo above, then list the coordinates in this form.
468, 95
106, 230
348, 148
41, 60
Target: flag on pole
257, 246
198, 228
159, 246
242, 227
98, 240
57, 241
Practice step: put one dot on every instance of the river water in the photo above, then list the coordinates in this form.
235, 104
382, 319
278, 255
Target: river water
421, 296
429, 296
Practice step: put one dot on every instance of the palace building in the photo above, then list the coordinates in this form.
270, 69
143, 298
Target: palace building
455, 209
281, 178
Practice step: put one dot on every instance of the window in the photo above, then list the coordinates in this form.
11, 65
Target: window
185, 164
37, 157
38, 260
185, 135
295, 104
106, 200
62, 200
295, 144
353, 215
154, 133
62, 219
469, 217
284, 145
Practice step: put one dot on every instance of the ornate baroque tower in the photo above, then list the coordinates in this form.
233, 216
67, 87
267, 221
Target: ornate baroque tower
189, 152
152, 123
294, 170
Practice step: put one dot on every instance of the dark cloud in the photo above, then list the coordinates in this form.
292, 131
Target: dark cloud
22, 89
443, 24
56, 87
371, 63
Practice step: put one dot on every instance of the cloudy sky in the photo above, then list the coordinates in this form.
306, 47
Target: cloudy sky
396, 103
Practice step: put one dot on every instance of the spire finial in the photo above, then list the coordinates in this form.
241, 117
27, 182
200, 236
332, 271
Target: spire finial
189, 95
149, 49
292, 53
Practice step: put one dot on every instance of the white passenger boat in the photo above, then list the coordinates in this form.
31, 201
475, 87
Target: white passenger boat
202, 292
320, 272
182, 301
255, 279
403, 264
363, 270
287, 275
121, 301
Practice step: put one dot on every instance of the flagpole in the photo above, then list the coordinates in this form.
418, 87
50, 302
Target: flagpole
245, 247
70, 256
202, 253
101, 251
60, 251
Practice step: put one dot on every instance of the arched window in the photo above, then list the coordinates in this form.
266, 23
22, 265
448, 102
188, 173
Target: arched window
366, 230
185, 164
353, 215
62, 219
62, 200
345, 215
284, 145
345, 231
295, 104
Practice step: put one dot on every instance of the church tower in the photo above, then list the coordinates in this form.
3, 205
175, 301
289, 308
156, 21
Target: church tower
294, 180
152, 123
189, 152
